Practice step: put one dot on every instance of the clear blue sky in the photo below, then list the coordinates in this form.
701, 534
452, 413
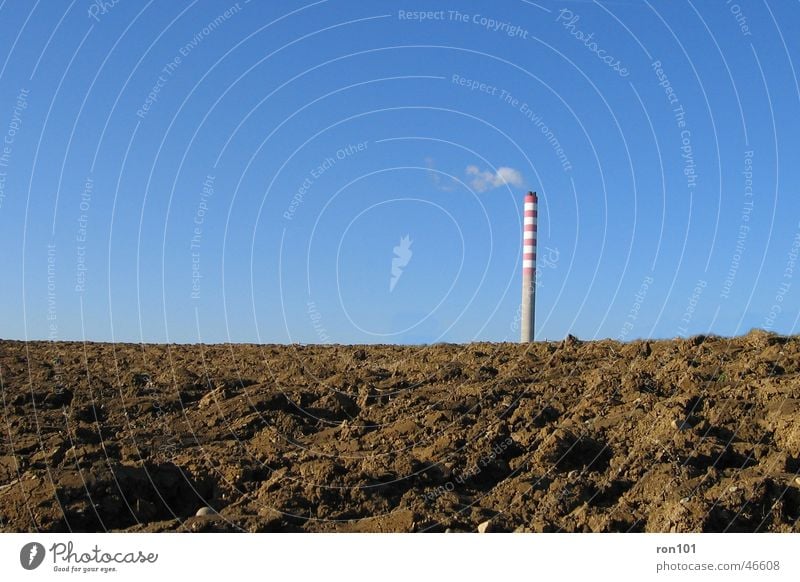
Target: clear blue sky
219, 171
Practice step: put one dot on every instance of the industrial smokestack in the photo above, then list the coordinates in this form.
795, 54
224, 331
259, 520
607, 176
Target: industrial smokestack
529, 267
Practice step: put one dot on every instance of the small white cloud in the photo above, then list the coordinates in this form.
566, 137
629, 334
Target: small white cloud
486, 180
447, 185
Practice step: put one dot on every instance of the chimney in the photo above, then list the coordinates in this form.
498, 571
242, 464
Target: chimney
529, 267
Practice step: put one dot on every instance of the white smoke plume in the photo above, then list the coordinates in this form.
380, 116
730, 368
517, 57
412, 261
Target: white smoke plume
483, 180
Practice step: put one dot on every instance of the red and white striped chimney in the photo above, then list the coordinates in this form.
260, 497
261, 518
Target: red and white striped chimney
529, 267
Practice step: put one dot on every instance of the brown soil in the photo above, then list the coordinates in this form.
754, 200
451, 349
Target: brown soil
685, 435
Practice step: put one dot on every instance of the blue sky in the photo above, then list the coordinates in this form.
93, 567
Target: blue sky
218, 171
